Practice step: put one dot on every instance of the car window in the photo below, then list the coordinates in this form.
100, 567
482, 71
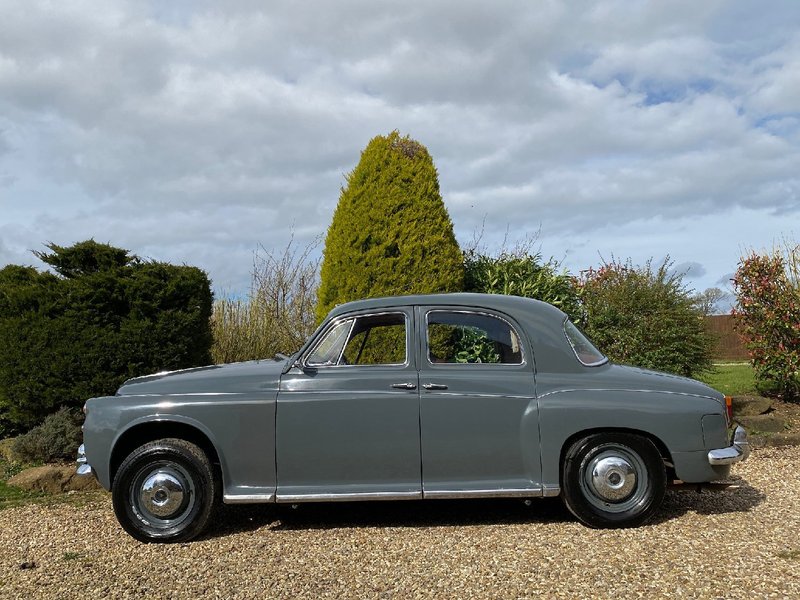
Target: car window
368, 340
584, 349
377, 340
329, 349
466, 337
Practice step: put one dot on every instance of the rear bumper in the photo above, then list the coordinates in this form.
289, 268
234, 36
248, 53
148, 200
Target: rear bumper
738, 450
84, 468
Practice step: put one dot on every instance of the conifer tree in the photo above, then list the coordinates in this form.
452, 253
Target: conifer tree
391, 233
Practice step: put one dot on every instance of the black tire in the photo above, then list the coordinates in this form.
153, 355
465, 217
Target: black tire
165, 491
613, 480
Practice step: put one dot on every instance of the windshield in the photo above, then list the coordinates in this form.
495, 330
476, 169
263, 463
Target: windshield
584, 349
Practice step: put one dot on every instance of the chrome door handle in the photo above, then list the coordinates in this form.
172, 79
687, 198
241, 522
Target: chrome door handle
404, 386
434, 386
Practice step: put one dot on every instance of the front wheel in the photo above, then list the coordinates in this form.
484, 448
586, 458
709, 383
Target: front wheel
613, 480
165, 491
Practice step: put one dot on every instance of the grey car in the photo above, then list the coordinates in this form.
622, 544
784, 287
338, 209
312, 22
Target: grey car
415, 397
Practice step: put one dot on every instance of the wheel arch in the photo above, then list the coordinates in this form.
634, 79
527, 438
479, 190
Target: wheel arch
151, 430
666, 456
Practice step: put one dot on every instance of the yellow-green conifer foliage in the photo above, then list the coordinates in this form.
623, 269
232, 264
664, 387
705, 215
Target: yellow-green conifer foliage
391, 233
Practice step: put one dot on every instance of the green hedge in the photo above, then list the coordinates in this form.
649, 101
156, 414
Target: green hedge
103, 317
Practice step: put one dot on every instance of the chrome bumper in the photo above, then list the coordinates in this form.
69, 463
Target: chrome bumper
737, 451
84, 468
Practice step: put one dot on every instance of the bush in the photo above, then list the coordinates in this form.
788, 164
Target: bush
768, 306
277, 316
522, 273
57, 438
390, 233
103, 317
645, 317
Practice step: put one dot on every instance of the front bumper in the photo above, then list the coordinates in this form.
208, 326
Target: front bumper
84, 468
738, 450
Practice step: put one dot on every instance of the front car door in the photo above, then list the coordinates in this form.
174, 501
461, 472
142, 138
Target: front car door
347, 424
479, 415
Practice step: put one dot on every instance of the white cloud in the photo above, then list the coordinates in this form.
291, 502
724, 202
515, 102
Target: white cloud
194, 131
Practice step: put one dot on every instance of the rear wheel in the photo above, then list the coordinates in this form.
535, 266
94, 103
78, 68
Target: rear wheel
613, 480
165, 491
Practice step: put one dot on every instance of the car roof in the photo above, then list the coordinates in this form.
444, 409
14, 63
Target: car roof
511, 304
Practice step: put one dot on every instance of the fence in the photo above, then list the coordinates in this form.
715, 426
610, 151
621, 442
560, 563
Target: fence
728, 344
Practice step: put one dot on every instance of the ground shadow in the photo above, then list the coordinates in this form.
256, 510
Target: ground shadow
409, 513
456, 513
738, 497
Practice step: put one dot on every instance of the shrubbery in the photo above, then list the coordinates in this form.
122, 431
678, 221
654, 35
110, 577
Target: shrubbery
103, 317
390, 233
645, 317
768, 306
57, 438
278, 314
522, 273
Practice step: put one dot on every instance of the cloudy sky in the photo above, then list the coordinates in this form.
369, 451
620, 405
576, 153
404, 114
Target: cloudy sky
194, 131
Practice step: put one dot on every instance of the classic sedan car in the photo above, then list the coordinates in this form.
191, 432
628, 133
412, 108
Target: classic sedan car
416, 397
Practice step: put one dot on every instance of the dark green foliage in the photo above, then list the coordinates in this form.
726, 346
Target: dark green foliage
522, 274
66, 338
390, 233
57, 438
645, 317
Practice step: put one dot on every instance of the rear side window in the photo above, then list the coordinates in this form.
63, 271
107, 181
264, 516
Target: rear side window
469, 338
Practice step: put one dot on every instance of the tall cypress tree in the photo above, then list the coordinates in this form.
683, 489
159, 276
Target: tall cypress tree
391, 233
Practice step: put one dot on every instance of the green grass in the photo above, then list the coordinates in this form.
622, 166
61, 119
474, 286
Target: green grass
12, 496
733, 379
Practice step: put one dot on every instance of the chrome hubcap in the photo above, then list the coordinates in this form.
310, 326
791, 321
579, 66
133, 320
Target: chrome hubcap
162, 494
613, 478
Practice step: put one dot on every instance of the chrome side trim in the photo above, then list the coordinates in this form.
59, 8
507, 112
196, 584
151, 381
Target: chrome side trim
551, 491
738, 450
640, 391
347, 497
535, 492
248, 498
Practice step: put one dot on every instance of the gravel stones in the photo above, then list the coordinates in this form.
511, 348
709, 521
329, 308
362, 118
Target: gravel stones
742, 542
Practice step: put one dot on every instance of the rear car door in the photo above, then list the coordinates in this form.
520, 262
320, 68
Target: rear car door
479, 415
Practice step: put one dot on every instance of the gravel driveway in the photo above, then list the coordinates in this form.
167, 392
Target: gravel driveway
744, 542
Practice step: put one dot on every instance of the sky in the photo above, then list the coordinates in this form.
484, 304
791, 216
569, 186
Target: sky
195, 132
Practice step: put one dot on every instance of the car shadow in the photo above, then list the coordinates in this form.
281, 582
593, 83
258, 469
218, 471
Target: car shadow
740, 497
407, 513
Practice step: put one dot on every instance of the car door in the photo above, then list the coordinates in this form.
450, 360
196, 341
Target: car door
479, 415
347, 423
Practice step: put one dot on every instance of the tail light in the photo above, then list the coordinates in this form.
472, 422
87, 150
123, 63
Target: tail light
729, 409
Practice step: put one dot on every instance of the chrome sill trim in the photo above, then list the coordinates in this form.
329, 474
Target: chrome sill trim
247, 498
347, 497
551, 491
535, 492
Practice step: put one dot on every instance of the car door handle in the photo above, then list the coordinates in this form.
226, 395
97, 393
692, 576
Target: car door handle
434, 386
404, 386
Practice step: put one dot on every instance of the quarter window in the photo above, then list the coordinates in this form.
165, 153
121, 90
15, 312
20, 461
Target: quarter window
585, 351
367, 340
463, 337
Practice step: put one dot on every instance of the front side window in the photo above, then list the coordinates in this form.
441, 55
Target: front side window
465, 337
584, 349
367, 340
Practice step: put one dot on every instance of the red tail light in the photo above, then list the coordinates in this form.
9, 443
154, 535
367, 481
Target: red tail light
729, 408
